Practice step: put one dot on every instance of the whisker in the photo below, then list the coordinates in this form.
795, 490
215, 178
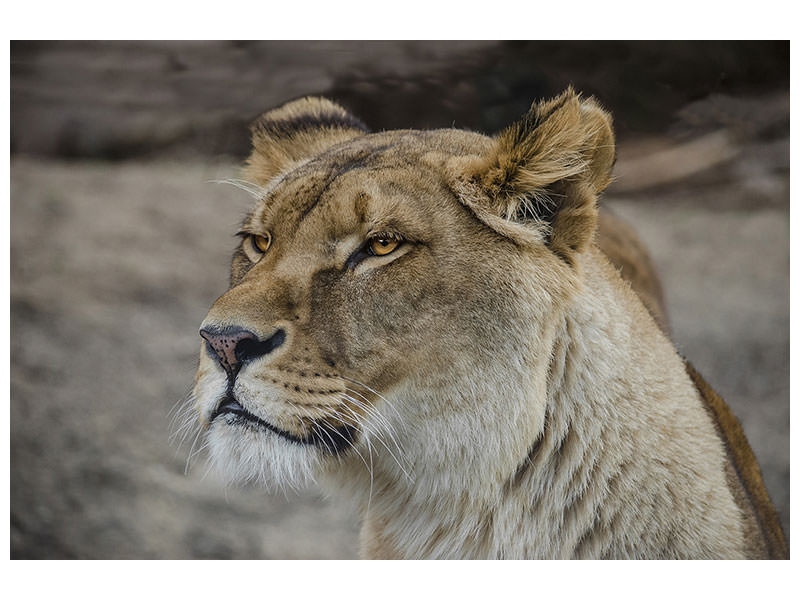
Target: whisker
331, 451
372, 411
251, 189
389, 450
365, 437
180, 436
380, 427
180, 411
378, 394
369, 406
315, 428
350, 443
181, 419
371, 477
191, 450
180, 405
209, 468
200, 449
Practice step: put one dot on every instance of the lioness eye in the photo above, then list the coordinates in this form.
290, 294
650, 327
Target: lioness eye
260, 242
382, 246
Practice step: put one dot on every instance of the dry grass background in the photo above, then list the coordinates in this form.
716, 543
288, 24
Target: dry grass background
115, 262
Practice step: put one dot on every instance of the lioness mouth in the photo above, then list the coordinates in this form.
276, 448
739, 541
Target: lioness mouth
323, 435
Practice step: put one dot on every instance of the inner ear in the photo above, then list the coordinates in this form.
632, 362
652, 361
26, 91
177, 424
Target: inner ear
539, 207
537, 211
295, 132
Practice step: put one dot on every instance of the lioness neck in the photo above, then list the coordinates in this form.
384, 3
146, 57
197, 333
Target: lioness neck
597, 455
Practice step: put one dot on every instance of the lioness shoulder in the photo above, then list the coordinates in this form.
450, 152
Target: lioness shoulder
425, 322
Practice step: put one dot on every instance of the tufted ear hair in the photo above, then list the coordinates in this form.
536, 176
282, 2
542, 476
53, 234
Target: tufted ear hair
296, 131
541, 176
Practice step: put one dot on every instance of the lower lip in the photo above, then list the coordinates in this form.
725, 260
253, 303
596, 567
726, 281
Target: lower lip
229, 406
334, 441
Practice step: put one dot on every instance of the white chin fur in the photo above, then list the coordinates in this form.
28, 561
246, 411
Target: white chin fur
241, 454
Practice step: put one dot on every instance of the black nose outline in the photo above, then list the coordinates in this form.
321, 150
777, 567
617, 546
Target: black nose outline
247, 346
251, 348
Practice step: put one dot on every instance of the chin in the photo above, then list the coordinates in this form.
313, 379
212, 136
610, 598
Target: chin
242, 453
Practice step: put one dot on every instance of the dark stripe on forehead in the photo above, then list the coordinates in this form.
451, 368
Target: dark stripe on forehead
361, 160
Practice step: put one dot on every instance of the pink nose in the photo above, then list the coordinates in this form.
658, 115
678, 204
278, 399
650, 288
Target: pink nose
234, 346
224, 343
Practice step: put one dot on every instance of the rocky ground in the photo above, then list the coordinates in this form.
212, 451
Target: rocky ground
114, 265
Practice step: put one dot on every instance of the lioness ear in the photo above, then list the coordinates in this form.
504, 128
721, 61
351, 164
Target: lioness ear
544, 173
298, 130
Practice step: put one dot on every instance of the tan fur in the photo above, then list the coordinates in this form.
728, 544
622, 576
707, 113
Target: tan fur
763, 531
626, 251
491, 388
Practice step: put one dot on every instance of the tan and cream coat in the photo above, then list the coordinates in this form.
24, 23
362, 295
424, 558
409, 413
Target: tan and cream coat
489, 388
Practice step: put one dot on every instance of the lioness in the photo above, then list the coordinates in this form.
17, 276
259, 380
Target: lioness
423, 321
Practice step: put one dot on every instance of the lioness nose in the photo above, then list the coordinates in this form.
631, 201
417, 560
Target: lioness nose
234, 346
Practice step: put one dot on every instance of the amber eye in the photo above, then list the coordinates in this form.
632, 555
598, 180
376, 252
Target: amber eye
261, 243
382, 246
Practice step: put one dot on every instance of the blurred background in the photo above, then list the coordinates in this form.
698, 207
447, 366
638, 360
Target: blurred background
120, 241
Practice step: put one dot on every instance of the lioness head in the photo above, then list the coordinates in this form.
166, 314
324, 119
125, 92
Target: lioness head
392, 292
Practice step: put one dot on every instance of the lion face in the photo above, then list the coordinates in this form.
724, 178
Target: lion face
376, 273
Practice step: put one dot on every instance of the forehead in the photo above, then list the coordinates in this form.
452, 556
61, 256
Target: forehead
398, 174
